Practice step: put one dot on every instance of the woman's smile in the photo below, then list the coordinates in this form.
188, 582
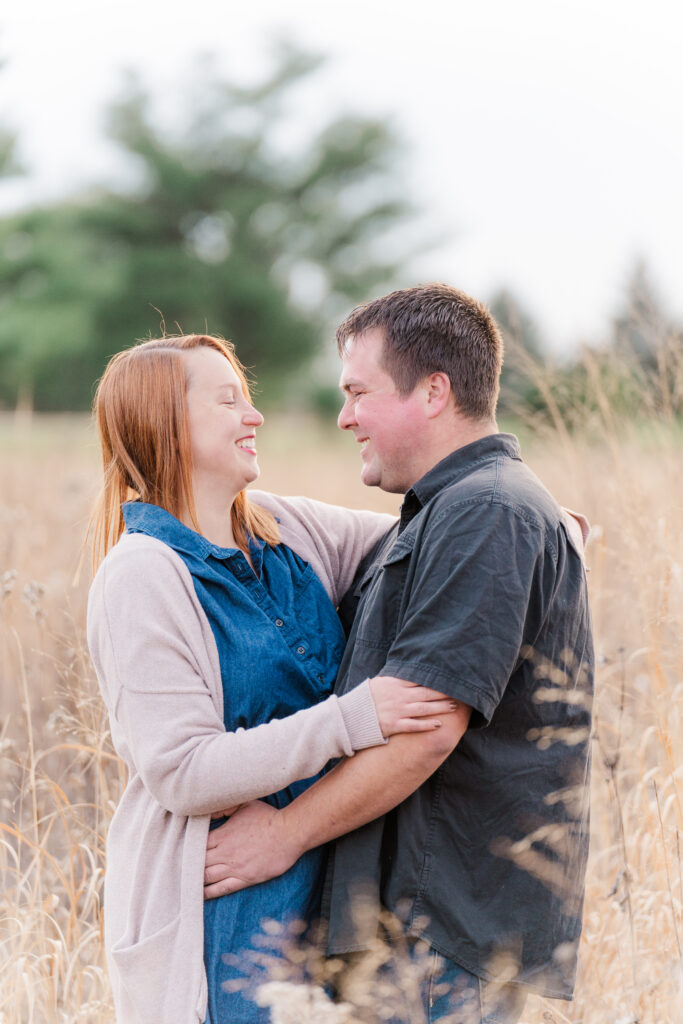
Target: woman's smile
221, 419
247, 444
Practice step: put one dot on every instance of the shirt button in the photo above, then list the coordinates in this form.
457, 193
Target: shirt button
279, 622
301, 650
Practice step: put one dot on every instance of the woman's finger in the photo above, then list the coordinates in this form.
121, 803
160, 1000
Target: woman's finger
413, 690
418, 724
426, 693
432, 707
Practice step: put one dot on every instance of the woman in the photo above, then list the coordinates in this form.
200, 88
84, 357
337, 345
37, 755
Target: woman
216, 647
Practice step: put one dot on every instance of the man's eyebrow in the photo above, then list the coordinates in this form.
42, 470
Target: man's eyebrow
349, 384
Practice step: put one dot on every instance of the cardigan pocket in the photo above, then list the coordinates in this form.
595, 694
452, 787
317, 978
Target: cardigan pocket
145, 969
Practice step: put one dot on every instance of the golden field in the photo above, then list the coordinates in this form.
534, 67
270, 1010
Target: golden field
59, 779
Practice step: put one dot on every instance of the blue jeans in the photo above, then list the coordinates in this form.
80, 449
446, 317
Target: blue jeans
450, 994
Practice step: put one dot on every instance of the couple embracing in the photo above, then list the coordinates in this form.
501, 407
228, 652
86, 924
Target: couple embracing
442, 661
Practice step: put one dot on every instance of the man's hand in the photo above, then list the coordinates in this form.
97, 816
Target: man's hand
260, 842
227, 812
250, 848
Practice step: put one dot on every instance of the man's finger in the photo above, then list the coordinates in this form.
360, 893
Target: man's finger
223, 888
216, 873
226, 812
214, 855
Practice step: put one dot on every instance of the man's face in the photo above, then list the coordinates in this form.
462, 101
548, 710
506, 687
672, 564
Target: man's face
389, 427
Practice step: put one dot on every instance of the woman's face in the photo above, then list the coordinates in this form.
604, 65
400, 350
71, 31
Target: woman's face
222, 422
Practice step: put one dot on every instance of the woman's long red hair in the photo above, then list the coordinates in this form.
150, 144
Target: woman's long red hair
143, 427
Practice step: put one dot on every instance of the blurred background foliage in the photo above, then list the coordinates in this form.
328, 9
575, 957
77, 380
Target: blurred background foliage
216, 230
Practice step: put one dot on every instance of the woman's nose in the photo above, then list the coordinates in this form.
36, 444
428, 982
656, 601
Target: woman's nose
253, 417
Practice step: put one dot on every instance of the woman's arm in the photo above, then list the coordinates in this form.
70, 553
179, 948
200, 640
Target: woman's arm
333, 539
158, 668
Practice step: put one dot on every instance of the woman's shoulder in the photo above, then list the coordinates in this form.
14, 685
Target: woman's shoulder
139, 548
303, 519
141, 561
142, 583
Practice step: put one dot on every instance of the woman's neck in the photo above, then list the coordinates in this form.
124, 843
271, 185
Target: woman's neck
212, 508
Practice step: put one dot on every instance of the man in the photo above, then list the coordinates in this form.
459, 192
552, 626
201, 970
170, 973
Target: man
475, 835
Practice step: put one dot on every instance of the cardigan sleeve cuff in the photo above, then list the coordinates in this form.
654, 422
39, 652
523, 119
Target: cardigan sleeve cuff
360, 717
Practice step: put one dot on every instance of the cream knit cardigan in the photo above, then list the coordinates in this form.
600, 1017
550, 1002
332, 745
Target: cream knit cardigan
157, 665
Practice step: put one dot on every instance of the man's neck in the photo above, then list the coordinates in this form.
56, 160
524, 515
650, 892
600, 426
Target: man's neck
454, 435
469, 431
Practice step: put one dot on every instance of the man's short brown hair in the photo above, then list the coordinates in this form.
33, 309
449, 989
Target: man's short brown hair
435, 328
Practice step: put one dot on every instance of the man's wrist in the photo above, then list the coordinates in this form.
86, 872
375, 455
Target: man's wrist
296, 832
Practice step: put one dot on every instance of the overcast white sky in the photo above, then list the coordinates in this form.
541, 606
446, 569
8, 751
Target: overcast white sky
545, 139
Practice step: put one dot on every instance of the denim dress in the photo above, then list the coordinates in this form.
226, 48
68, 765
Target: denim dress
279, 644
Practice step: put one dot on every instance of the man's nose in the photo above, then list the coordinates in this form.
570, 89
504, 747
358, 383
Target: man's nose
346, 417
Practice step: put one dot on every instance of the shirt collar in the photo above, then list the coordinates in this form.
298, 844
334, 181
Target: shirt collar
454, 465
154, 521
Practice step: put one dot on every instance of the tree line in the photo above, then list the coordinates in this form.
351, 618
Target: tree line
219, 229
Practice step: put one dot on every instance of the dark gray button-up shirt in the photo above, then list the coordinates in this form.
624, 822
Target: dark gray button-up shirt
480, 593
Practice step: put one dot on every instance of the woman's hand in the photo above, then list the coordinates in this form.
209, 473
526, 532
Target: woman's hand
406, 707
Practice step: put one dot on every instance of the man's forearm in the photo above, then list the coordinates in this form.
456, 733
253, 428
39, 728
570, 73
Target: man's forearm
260, 842
369, 784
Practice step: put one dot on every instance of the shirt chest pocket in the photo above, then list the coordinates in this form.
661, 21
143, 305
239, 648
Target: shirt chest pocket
384, 594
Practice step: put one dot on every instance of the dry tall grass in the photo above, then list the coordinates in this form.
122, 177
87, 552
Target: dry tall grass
60, 781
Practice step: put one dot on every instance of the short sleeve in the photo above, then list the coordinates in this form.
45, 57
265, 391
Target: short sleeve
475, 597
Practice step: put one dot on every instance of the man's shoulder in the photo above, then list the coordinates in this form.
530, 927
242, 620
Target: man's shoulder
501, 483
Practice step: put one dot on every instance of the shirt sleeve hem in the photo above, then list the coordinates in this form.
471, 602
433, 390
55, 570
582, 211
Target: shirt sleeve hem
460, 689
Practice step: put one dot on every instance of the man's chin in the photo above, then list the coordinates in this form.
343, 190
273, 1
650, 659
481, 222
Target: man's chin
369, 477
384, 481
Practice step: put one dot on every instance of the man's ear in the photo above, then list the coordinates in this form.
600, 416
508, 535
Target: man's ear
438, 393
